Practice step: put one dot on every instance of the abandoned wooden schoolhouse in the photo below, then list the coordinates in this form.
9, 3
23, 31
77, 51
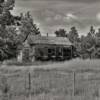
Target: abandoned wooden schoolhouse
46, 48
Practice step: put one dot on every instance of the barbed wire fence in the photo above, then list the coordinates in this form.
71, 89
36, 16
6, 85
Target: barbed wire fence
84, 83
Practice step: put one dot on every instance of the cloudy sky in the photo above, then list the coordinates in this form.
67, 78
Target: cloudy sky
53, 14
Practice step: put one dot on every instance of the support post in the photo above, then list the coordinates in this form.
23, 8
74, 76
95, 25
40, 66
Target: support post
62, 52
71, 52
55, 53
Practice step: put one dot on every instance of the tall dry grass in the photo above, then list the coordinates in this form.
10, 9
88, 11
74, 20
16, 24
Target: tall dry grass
50, 82
75, 64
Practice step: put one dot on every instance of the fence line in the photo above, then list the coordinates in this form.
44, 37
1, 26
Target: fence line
28, 82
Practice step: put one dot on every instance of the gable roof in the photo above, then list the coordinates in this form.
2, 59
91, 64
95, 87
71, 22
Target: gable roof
48, 40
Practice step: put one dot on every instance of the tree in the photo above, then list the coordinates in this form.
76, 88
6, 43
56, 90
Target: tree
28, 27
8, 45
97, 37
9, 39
60, 33
92, 31
8, 49
88, 43
73, 35
98, 33
5, 15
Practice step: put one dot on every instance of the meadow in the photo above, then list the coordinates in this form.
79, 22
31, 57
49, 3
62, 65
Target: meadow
70, 80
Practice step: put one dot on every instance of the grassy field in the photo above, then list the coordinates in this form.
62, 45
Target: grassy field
53, 81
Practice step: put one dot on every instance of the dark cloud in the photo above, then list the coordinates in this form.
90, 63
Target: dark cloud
52, 14
84, 1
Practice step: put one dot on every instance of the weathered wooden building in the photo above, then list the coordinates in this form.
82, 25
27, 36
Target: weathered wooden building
47, 48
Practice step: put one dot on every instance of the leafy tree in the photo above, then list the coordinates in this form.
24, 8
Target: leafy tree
97, 38
8, 49
73, 35
92, 31
9, 39
88, 43
60, 33
8, 45
28, 27
98, 33
5, 15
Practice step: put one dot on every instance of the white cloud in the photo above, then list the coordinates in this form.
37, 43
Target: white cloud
71, 16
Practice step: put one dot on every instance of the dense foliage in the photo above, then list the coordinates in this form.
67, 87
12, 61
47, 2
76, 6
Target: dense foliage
86, 46
60, 33
27, 27
14, 30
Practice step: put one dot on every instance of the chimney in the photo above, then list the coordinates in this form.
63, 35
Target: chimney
47, 34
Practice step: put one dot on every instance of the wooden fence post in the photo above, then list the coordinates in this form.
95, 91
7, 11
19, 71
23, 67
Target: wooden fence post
25, 86
74, 76
30, 98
